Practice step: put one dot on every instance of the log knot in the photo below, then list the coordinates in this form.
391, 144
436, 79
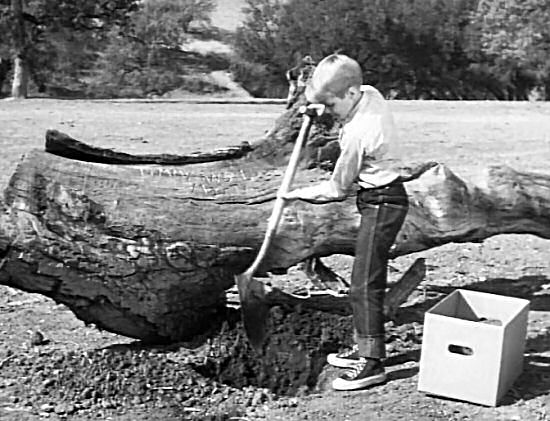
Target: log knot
74, 205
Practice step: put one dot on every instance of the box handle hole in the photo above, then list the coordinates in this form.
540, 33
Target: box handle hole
461, 350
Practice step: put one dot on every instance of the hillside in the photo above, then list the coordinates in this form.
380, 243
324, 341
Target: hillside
228, 14
226, 17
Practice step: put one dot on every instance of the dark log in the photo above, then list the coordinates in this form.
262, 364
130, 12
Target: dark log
321, 276
399, 292
149, 251
63, 145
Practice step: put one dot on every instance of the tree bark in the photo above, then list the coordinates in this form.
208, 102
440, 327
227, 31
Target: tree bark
149, 251
20, 78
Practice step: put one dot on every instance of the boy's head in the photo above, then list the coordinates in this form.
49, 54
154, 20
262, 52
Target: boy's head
336, 83
333, 77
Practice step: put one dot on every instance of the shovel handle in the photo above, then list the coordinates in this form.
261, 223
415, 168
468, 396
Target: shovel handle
278, 207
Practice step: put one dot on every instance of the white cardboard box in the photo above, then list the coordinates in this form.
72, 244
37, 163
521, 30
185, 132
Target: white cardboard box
472, 346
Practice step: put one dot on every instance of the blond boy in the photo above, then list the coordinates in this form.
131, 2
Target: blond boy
368, 159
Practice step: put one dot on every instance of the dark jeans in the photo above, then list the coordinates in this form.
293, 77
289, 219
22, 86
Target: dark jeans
383, 211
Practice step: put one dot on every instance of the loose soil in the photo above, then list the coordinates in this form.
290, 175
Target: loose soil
54, 367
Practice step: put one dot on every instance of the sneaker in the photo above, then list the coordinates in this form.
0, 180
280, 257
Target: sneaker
367, 372
345, 359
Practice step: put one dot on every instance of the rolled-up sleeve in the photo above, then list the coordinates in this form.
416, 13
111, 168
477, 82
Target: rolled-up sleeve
346, 170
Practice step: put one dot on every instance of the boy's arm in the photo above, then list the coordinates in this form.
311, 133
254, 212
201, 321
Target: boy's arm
346, 170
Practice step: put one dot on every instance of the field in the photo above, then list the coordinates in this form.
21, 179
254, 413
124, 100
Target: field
466, 136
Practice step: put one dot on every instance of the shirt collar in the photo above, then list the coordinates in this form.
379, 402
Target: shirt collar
353, 111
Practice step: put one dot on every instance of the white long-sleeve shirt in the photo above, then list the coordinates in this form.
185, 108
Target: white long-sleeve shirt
368, 156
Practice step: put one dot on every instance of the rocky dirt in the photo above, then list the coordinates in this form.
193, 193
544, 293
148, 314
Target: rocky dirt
54, 367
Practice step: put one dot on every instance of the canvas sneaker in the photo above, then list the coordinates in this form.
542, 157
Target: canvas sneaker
367, 372
345, 359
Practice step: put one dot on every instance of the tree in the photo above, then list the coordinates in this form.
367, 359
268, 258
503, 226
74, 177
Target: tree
167, 22
148, 58
415, 48
33, 27
195, 11
20, 77
257, 39
514, 39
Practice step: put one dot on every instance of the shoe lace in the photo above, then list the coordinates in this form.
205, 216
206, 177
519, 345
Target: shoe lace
350, 351
354, 371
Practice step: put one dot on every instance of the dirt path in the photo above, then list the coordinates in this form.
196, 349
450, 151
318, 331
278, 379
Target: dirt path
50, 380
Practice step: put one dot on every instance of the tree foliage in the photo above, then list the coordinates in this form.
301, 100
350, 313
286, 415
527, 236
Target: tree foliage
71, 44
167, 22
413, 48
514, 38
147, 60
60, 37
445, 49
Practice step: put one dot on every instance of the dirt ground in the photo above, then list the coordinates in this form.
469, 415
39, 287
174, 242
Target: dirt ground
77, 372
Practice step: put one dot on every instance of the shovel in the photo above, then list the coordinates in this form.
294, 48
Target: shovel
254, 308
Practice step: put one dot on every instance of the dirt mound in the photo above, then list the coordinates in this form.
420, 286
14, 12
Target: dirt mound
221, 378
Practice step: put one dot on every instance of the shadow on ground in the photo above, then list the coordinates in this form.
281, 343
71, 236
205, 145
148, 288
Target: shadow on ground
294, 358
535, 379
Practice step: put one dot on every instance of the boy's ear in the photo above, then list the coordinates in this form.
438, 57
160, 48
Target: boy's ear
353, 91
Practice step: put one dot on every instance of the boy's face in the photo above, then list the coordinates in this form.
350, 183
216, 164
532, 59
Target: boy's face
340, 107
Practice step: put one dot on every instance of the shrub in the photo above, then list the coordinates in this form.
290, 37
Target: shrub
257, 79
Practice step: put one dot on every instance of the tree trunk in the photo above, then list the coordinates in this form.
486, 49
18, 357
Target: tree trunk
21, 70
20, 78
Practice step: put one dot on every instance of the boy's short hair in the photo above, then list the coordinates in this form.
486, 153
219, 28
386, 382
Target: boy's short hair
334, 75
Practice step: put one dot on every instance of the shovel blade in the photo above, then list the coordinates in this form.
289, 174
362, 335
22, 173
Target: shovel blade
254, 309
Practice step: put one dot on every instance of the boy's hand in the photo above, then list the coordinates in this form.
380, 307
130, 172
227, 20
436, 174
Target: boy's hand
291, 195
312, 110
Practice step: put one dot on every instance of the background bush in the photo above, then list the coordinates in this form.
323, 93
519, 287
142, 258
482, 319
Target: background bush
410, 49
445, 49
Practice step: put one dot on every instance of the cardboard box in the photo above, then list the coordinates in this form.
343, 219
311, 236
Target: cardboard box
472, 346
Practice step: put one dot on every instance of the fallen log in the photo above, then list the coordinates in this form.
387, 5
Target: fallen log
63, 145
149, 251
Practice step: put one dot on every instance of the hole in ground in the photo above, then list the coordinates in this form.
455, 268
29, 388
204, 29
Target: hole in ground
293, 356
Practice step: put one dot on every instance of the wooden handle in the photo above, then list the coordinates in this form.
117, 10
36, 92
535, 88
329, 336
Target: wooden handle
279, 205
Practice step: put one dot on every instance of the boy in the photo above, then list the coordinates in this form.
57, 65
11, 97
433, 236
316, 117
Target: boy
367, 158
